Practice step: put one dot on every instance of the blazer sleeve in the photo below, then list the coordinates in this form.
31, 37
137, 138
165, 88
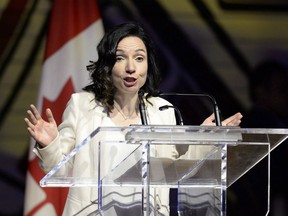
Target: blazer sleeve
63, 144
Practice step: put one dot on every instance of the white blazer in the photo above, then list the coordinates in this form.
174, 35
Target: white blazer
82, 116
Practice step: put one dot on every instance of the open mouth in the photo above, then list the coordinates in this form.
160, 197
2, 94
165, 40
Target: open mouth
129, 81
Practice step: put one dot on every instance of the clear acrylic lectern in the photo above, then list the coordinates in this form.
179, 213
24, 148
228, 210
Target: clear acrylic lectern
130, 170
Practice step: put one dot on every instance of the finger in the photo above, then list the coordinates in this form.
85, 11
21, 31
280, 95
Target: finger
50, 117
234, 120
35, 112
32, 117
234, 123
31, 132
30, 126
28, 123
230, 119
209, 120
237, 120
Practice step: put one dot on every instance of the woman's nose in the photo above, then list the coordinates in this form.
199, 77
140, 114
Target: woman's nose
130, 67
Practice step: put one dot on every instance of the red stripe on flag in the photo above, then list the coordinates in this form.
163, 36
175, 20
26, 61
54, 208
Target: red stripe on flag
68, 19
55, 196
71, 13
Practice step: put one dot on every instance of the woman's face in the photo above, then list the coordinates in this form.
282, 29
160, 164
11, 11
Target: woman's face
130, 70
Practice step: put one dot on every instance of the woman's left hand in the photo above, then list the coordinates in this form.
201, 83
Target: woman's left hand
233, 120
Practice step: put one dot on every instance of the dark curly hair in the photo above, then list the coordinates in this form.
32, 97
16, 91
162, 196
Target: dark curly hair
100, 71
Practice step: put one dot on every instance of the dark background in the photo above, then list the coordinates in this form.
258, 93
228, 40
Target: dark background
207, 46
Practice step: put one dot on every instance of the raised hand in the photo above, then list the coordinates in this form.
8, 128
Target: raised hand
233, 120
43, 132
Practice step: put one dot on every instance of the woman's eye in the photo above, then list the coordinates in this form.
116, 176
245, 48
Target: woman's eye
139, 58
119, 58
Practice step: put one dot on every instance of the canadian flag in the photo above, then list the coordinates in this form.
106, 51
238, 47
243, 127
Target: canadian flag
75, 30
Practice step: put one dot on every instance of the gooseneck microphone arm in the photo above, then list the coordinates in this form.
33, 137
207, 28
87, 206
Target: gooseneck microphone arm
178, 113
216, 111
142, 108
215, 106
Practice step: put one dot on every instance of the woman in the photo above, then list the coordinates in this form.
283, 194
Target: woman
126, 65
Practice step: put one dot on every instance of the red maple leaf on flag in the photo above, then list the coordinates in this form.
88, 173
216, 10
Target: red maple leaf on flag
55, 197
58, 106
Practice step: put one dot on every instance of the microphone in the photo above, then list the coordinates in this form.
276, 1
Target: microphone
216, 110
178, 113
142, 108
181, 149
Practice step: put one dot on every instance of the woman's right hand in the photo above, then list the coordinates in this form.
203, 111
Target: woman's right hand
43, 132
